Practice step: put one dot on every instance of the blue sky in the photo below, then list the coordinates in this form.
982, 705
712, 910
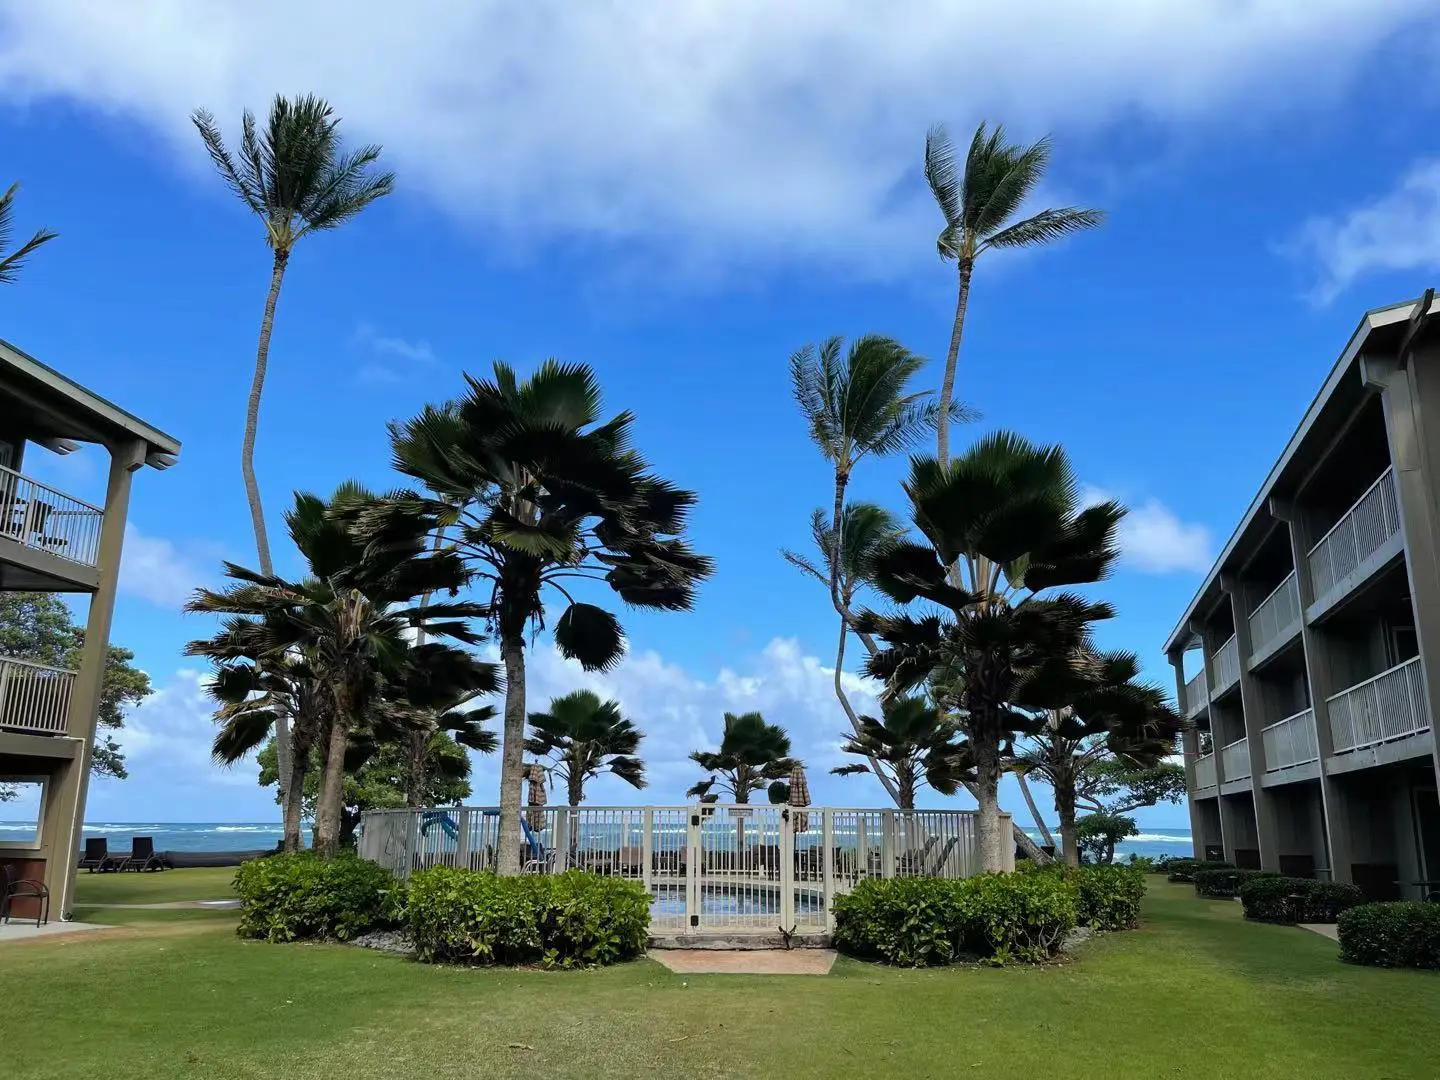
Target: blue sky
680, 196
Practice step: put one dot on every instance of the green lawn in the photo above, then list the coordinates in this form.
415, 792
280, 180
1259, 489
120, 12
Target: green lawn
1195, 993
158, 887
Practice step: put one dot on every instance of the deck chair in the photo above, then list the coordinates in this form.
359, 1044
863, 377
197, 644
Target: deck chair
142, 855
13, 887
932, 867
537, 860
97, 855
913, 862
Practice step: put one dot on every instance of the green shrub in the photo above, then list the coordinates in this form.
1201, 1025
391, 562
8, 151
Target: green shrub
1272, 898
1144, 863
1225, 883
1109, 896
573, 919
299, 896
914, 922
1185, 869
1403, 934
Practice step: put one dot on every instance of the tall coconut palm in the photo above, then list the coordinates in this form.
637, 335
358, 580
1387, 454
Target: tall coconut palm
536, 494
978, 203
1111, 718
752, 755
583, 737
1005, 519
297, 177
10, 264
350, 622
914, 743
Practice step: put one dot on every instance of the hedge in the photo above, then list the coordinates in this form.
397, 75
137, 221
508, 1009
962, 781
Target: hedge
1268, 898
300, 895
1109, 896
1185, 869
575, 919
996, 918
1225, 883
1403, 934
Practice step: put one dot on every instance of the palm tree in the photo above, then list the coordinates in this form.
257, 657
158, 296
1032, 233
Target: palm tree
350, 623
1112, 718
914, 744
584, 736
1002, 526
978, 204
536, 493
752, 755
297, 178
10, 264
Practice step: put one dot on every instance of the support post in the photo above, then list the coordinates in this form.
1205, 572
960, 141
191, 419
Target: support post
1252, 708
887, 843
647, 848
1190, 751
827, 866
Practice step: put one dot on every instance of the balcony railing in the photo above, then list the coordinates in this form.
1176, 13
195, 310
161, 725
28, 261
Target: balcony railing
1373, 519
1225, 665
1291, 741
1389, 706
1236, 759
1205, 771
33, 697
1196, 694
1276, 614
42, 518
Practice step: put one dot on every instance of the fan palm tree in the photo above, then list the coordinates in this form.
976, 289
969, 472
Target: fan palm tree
978, 203
914, 743
584, 736
536, 493
10, 264
1112, 718
297, 177
752, 755
1002, 527
350, 622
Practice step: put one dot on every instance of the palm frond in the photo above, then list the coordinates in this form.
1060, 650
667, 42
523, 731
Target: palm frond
1045, 227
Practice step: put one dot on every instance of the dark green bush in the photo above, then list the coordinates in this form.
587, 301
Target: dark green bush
1403, 934
299, 896
1225, 883
1185, 869
1272, 898
914, 922
575, 919
1109, 896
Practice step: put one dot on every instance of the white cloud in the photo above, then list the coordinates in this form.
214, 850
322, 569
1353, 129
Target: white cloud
1154, 540
154, 569
170, 732
747, 129
1399, 230
392, 358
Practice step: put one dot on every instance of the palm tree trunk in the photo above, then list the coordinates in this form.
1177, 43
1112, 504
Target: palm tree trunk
575, 785
512, 754
885, 781
1065, 808
1034, 810
947, 386
252, 495
987, 798
417, 745
331, 802
294, 797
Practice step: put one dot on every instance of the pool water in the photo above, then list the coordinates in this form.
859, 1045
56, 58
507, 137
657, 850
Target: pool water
727, 900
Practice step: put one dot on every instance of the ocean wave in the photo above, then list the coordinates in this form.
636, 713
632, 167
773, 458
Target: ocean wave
276, 829
1159, 838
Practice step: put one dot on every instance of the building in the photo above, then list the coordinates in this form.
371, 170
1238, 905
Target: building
53, 542
1309, 661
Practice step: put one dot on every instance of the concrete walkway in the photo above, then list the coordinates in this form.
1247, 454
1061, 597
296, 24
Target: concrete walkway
28, 931
746, 961
222, 905
1324, 929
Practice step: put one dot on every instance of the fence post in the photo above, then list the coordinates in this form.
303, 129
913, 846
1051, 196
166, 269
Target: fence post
827, 865
787, 869
462, 841
647, 847
692, 869
887, 843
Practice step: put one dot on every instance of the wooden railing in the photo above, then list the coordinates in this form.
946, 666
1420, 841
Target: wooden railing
1236, 759
1225, 665
1205, 771
40, 517
1389, 706
1276, 613
1197, 694
1358, 534
34, 697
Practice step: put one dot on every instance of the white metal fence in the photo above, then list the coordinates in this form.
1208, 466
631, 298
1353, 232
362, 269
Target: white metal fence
1197, 694
1291, 741
1358, 534
1389, 706
1277, 613
1236, 759
719, 869
1226, 664
34, 697
1205, 771
43, 518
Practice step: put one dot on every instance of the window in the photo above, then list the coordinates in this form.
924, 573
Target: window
1401, 644
22, 806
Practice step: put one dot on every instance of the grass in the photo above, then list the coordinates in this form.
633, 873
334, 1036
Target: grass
1195, 993
158, 887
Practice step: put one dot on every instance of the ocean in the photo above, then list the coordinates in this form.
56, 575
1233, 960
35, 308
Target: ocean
253, 836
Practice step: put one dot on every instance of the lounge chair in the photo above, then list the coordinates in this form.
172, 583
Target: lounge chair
97, 855
18, 888
537, 860
913, 862
142, 855
933, 866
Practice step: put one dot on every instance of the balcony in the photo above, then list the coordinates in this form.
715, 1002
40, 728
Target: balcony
1236, 759
1205, 771
1389, 706
1196, 695
1359, 534
1290, 742
1225, 666
1277, 616
44, 519
34, 698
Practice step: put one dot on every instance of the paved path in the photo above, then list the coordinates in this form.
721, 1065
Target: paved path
746, 961
28, 931
1326, 929
171, 906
